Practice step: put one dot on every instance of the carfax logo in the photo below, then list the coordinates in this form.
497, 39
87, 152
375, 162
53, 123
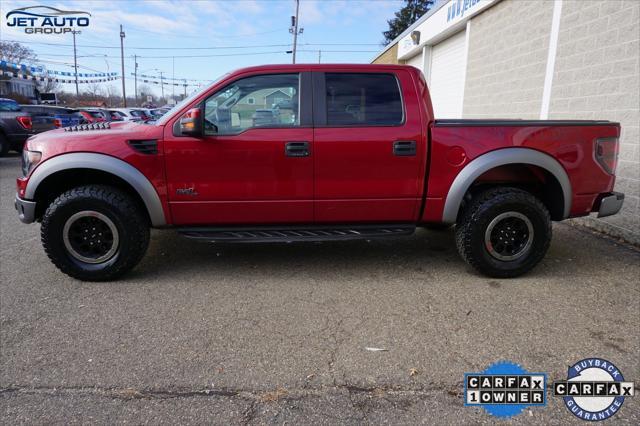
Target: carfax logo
594, 390
505, 389
47, 20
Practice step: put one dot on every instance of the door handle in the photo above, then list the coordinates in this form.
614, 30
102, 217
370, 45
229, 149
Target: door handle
404, 148
296, 149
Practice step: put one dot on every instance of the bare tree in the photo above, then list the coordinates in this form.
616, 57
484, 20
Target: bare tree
144, 91
16, 52
48, 85
94, 90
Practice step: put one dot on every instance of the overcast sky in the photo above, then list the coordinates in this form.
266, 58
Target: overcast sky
253, 31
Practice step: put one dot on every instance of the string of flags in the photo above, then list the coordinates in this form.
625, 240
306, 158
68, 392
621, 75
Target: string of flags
164, 83
39, 73
46, 77
42, 70
166, 78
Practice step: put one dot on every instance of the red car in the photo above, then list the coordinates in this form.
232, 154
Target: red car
93, 115
355, 154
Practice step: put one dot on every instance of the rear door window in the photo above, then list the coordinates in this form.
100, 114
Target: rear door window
363, 99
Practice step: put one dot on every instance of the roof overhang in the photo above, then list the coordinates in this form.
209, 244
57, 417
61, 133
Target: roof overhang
444, 19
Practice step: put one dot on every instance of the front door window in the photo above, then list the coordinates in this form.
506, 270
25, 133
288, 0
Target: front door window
270, 100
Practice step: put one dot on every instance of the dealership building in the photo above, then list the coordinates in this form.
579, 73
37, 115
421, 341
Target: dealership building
553, 59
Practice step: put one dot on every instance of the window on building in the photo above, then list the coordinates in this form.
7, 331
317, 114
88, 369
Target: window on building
363, 100
230, 111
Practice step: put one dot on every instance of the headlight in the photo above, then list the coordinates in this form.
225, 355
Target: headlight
30, 160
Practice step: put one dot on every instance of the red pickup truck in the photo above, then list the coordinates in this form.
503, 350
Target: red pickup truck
313, 152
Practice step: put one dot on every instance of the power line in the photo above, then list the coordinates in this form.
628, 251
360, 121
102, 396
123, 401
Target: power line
215, 55
95, 46
199, 37
176, 56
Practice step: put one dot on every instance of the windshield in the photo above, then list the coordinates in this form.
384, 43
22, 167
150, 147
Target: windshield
187, 100
9, 105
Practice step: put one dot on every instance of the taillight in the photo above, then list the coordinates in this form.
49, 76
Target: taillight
607, 154
25, 121
57, 123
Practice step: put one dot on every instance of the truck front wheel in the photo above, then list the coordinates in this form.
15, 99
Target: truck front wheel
504, 232
95, 233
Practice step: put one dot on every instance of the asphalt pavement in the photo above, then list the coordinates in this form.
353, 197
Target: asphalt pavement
278, 333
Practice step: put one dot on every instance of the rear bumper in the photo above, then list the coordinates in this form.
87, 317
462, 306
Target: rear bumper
26, 210
610, 204
17, 140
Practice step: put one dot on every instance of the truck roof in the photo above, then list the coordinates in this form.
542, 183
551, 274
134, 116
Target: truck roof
326, 67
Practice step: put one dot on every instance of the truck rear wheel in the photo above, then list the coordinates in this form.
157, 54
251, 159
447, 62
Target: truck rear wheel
4, 145
504, 232
95, 233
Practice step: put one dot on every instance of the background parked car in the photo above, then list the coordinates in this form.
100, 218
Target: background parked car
15, 126
94, 115
61, 116
265, 117
135, 114
158, 112
116, 115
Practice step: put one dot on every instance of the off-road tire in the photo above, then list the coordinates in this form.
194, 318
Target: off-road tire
481, 211
4, 145
121, 209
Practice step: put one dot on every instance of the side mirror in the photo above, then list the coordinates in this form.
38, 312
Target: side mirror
191, 123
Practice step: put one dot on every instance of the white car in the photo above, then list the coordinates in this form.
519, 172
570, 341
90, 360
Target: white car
133, 114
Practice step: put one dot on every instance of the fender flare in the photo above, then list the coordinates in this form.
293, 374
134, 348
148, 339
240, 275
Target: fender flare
105, 163
497, 158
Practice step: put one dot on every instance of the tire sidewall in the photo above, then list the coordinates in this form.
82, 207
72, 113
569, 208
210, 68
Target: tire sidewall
4, 145
56, 220
539, 245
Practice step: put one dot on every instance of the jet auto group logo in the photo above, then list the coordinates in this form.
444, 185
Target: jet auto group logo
47, 20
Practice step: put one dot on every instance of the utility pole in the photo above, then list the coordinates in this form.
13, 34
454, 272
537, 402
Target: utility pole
135, 78
185, 87
162, 84
75, 59
319, 56
173, 78
124, 93
294, 30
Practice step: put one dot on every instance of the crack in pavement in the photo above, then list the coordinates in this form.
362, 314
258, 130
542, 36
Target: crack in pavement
252, 395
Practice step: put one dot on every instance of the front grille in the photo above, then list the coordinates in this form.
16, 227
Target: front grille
148, 146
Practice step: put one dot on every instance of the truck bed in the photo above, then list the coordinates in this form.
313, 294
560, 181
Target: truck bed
457, 122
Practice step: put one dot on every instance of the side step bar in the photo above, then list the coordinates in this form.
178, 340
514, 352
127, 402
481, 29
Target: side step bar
266, 234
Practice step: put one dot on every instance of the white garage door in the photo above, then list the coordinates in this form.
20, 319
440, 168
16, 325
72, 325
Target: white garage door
448, 70
416, 61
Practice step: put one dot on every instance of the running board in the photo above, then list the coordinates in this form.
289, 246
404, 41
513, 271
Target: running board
267, 234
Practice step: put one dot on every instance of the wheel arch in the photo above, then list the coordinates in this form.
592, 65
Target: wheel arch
86, 163
504, 157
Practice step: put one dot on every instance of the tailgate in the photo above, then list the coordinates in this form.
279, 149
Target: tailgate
42, 123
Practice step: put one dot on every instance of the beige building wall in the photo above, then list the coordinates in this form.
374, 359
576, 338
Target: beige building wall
597, 76
388, 57
507, 59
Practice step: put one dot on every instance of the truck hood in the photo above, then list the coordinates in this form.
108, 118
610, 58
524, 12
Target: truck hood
104, 138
